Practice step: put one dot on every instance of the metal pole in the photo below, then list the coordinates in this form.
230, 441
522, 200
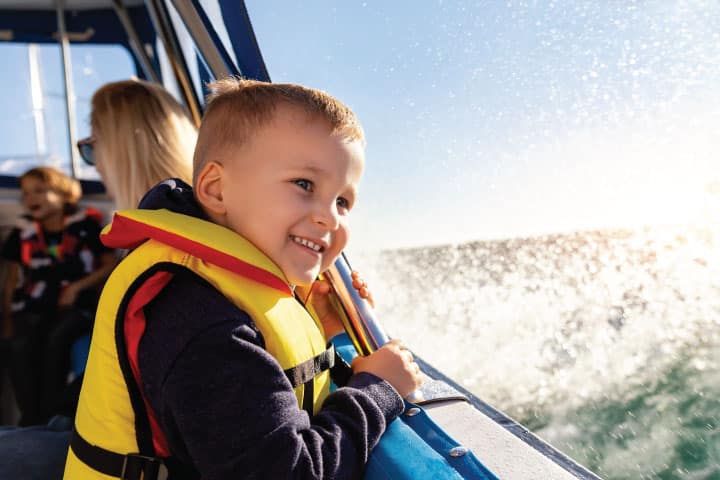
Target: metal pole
69, 91
161, 20
36, 94
135, 42
359, 320
206, 39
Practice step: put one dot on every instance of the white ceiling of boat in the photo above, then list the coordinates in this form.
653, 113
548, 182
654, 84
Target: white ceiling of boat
69, 4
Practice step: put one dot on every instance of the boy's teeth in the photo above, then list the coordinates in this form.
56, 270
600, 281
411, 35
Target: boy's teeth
307, 243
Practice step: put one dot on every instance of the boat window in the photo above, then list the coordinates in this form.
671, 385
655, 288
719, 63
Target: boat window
34, 129
539, 213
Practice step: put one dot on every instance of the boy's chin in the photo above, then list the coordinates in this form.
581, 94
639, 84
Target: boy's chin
303, 280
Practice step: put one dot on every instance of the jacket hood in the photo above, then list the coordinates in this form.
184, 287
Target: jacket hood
171, 195
175, 195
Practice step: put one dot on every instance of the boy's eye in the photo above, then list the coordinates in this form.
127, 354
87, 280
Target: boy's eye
304, 184
343, 203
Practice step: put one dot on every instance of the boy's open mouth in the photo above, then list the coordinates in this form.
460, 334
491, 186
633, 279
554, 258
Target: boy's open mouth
307, 243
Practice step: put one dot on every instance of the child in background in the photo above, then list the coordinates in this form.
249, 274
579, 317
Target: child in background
219, 372
57, 263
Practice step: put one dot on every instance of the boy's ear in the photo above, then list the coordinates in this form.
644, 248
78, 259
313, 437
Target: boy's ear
208, 188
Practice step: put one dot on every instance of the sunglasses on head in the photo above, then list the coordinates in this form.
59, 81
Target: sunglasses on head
85, 147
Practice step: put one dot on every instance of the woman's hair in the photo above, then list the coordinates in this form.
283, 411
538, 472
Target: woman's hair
58, 182
143, 137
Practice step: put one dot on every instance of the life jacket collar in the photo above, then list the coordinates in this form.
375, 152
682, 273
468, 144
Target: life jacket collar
209, 241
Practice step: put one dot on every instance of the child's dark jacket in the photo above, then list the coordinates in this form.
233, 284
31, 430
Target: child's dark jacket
224, 403
51, 260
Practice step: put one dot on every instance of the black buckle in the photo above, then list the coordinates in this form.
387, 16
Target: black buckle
141, 467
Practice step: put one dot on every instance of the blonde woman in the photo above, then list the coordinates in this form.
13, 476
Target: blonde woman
140, 136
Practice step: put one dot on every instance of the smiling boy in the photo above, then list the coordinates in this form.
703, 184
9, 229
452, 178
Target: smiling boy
202, 358
289, 191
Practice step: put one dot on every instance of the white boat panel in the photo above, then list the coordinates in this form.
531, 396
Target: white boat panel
506, 455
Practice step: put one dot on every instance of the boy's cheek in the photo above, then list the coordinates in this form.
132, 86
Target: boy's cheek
342, 238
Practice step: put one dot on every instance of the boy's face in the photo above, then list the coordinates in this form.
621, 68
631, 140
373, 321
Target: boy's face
290, 191
39, 199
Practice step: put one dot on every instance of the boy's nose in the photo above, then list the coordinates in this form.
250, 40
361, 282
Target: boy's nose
326, 216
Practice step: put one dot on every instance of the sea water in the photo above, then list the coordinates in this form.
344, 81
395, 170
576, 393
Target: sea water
606, 343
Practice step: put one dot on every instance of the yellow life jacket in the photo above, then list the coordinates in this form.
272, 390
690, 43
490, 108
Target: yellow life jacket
115, 429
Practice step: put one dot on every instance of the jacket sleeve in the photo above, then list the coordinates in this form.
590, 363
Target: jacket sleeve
11, 247
227, 408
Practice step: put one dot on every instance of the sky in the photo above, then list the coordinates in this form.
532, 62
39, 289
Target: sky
501, 119
484, 120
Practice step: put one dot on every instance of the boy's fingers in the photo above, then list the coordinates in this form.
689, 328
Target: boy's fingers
321, 287
408, 355
399, 348
362, 288
318, 286
369, 298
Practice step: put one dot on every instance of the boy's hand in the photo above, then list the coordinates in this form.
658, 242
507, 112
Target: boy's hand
394, 363
362, 288
319, 298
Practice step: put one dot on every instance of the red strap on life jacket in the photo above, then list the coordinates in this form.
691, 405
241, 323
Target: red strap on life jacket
134, 328
129, 233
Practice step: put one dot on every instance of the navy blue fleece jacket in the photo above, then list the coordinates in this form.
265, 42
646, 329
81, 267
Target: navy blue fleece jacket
226, 407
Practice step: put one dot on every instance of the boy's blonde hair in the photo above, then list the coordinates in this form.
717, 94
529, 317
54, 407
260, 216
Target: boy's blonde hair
58, 182
144, 136
236, 108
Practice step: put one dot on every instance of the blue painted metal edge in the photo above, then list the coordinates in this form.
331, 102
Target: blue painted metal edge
467, 464
513, 427
430, 435
243, 39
